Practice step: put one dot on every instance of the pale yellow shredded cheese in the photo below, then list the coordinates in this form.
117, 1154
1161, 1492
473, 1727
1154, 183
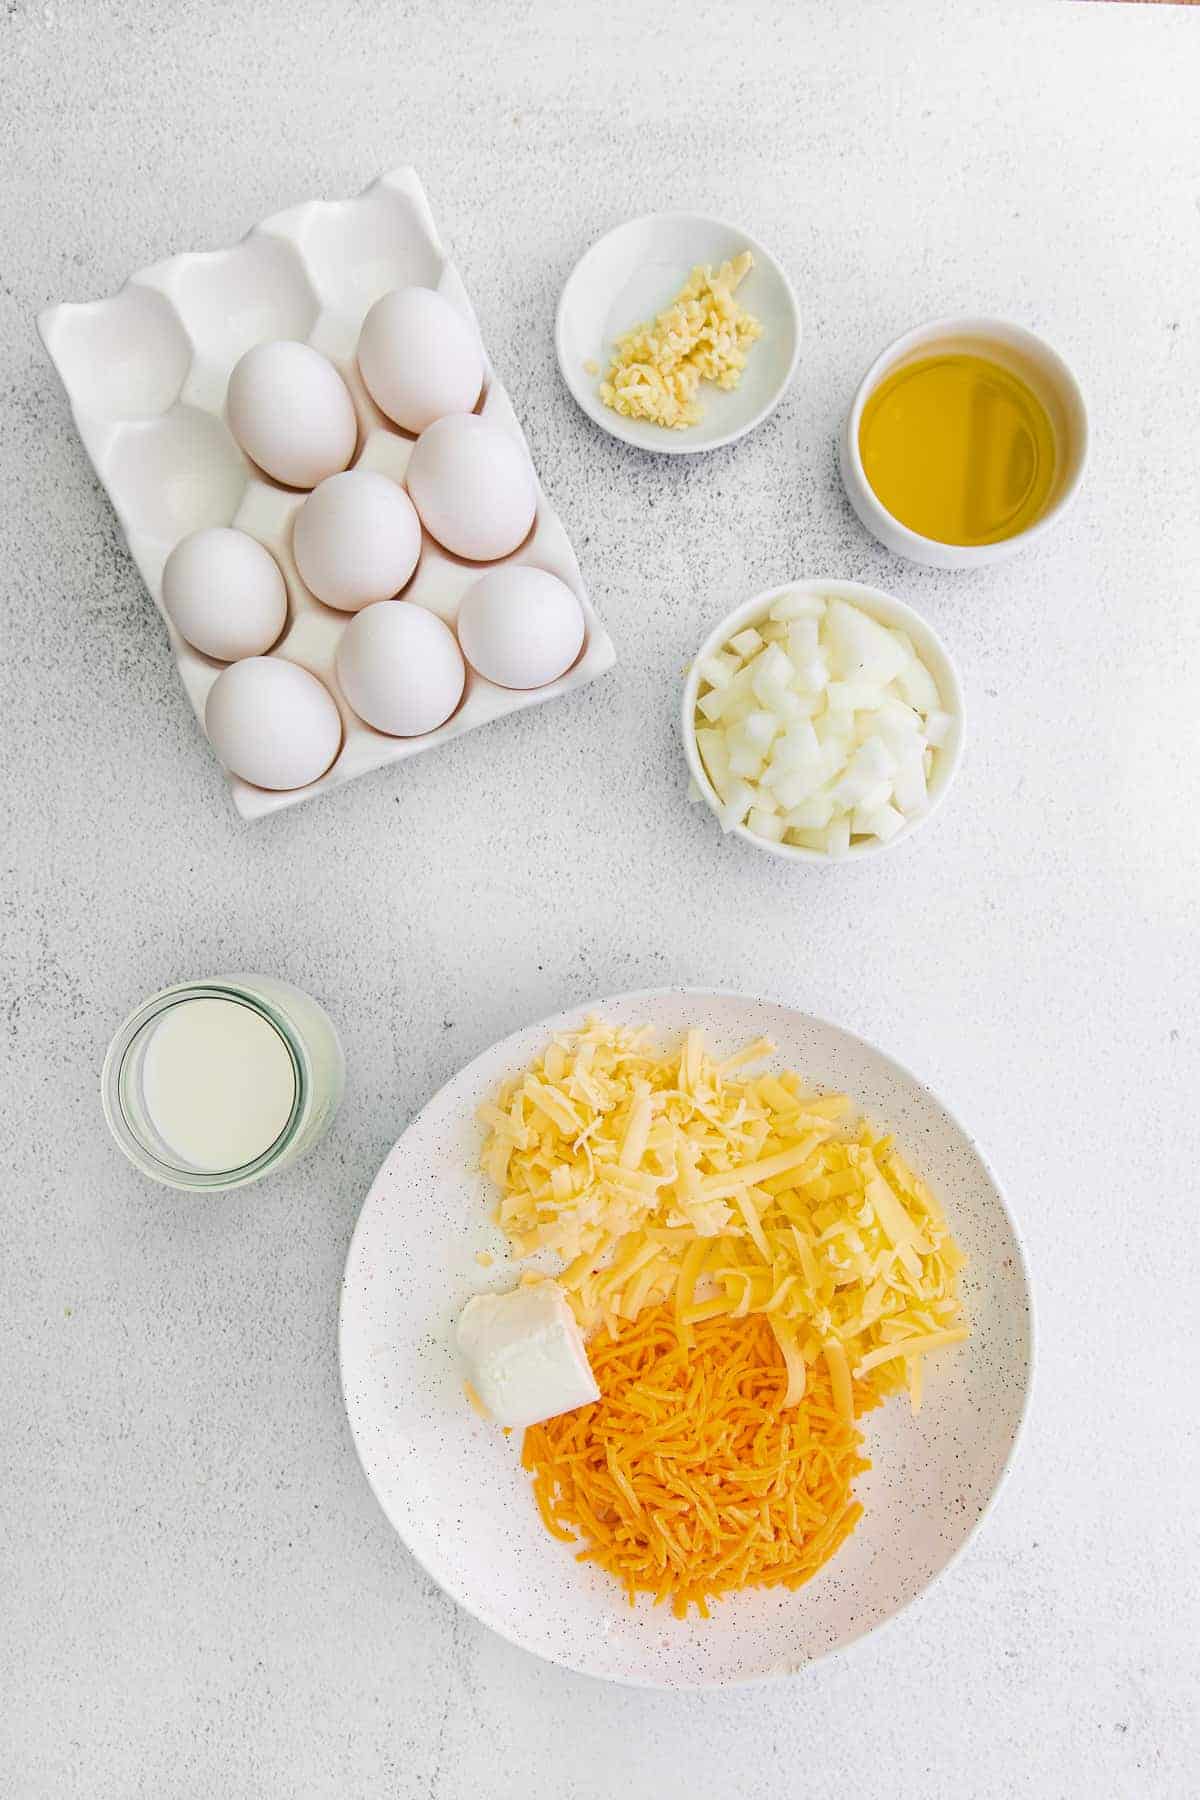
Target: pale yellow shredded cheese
674, 1178
704, 335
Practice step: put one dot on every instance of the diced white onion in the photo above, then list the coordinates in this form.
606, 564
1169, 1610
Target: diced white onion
812, 814
918, 687
739, 798
745, 761
746, 642
819, 726
909, 789
803, 639
760, 728
884, 822
719, 670
798, 606
765, 825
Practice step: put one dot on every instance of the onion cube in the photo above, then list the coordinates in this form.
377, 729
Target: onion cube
837, 836
909, 790
835, 753
899, 727
937, 727
772, 674
798, 606
711, 705
746, 643
765, 825
884, 822
745, 761
738, 802
918, 687
759, 728
803, 639
853, 696
874, 758
741, 705
809, 840
798, 744
719, 669
811, 675
861, 649
869, 808
811, 814
856, 787
796, 786
714, 754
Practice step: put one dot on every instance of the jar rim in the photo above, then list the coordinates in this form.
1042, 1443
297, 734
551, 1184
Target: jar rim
116, 1072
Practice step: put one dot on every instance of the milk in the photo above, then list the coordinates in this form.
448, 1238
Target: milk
218, 1083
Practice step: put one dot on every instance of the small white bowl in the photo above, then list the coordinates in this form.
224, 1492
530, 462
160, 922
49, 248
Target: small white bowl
889, 611
1028, 356
634, 272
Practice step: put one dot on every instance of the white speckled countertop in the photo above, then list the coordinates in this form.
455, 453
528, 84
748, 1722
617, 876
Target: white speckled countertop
198, 1594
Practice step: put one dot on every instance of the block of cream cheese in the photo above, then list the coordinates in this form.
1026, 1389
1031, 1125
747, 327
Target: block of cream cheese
525, 1354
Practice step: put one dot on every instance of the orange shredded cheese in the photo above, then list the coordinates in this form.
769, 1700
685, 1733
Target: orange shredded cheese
694, 1474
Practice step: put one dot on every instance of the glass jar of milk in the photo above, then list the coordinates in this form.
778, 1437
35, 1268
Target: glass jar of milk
214, 1084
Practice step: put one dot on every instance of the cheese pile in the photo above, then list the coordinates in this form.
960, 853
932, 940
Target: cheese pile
704, 335
694, 1476
679, 1179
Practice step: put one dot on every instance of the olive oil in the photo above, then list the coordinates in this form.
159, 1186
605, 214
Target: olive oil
958, 448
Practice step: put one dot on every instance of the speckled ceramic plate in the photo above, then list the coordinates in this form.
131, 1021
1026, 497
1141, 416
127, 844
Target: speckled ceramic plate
452, 1485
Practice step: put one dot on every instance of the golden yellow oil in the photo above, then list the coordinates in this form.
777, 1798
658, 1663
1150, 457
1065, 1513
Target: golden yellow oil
958, 448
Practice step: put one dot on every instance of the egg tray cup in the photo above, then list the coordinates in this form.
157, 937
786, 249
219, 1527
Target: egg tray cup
146, 372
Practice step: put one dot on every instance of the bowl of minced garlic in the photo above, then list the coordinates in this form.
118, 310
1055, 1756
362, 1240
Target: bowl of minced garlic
677, 333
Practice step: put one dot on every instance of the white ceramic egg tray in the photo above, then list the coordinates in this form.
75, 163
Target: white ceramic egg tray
146, 372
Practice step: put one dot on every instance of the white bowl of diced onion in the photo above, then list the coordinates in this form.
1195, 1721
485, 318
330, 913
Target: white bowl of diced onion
823, 721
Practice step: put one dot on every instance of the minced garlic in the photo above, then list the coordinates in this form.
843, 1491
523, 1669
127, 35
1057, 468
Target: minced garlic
704, 335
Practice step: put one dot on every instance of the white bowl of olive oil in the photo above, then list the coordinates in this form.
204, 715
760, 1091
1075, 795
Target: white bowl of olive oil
967, 439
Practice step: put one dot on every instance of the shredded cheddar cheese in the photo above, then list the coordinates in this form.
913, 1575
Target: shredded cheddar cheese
704, 335
678, 1179
698, 1472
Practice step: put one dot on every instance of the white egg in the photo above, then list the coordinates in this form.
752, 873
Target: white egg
224, 593
356, 539
520, 627
420, 357
272, 723
400, 668
291, 412
472, 483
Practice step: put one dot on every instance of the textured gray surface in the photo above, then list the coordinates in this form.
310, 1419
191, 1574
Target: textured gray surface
199, 1593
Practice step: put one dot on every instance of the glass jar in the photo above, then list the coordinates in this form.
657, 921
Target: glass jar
309, 1039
